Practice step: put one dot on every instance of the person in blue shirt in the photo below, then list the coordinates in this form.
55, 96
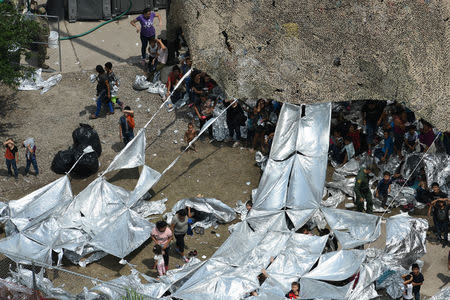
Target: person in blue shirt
384, 188
388, 148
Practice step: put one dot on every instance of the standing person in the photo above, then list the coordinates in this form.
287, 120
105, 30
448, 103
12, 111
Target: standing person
353, 133
114, 84
388, 148
204, 108
440, 219
198, 86
159, 260
261, 117
162, 235
11, 156
399, 132
189, 135
426, 137
152, 50
30, 155
436, 193
384, 188
235, 119
348, 150
411, 139
417, 280
158, 62
42, 38
179, 227
103, 92
147, 30
126, 125
408, 287
362, 190
371, 115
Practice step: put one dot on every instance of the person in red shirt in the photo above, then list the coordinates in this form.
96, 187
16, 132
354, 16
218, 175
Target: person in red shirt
172, 81
353, 133
11, 156
294, 292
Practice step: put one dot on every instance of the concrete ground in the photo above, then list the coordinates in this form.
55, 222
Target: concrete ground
117, 42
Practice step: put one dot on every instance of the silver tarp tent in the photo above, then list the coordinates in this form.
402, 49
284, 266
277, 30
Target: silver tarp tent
289, 195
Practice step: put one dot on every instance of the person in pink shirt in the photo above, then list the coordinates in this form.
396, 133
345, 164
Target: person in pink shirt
162, 235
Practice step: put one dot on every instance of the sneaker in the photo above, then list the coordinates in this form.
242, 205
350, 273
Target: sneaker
93, 117
110, 113
236, 144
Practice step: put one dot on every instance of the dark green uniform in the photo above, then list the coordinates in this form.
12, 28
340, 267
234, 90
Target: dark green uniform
44, 31
362, 190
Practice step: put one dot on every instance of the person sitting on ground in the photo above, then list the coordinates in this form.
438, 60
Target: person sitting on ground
362, 190
268, 139
159, 62
417, 280
388, 148
349, 150
209, 83
304, 230
422, 193
426, 136
162, 235
204, 110
103, 92
113, 82
440, 208
190, 134
126, 125
30, 155
384, 188
179, 227
408, 287
235, 119
411, 139
354, 134
172, 80
294, 292
198, 86
159, 260
11, 157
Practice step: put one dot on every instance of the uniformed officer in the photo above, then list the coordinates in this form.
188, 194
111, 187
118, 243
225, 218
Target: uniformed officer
362, 190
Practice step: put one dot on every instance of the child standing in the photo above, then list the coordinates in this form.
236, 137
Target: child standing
126, 125
408, 287
190, 134
384, 188
162, 236
11, 156
30, 154
114, 84
159, 260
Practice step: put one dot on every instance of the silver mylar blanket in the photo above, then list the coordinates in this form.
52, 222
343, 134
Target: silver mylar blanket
289, 195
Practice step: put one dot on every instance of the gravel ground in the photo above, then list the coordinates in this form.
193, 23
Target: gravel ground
215, 170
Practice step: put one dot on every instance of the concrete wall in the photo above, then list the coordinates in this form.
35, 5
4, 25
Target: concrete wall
305, 51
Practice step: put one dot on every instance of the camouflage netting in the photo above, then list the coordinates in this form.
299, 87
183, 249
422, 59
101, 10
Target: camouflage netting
316, 51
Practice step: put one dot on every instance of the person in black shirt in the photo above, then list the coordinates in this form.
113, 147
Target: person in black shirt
440, 218
436, 192
417, 280
235, 119
371, 115
103, 92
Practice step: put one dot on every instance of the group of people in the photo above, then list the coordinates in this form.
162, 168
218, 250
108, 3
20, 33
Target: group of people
12, 157
402, 136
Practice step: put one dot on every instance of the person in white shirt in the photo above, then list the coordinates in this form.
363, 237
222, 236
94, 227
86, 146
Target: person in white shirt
349, 149
408, 287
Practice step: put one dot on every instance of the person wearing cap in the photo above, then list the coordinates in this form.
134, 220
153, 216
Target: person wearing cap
362, 190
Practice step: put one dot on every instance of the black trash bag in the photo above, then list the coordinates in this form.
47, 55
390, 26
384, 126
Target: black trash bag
85, 136
87, 165
63, 161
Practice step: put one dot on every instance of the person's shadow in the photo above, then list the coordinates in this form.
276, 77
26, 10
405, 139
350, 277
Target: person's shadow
444, 278
117, 147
